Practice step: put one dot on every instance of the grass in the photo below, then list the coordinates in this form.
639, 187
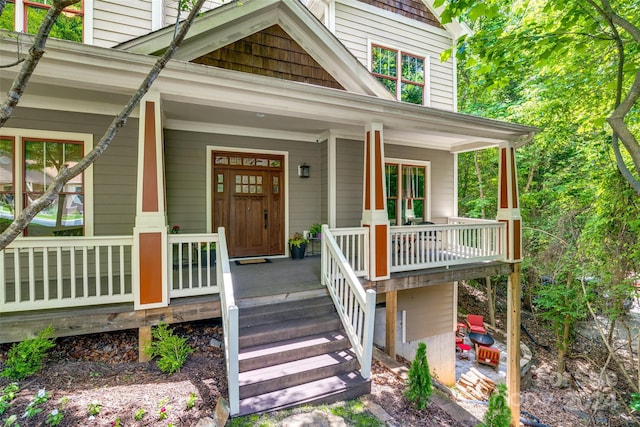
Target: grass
354, 413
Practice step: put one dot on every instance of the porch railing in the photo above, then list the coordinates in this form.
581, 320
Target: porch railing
354, 244
427, 246
52, 272
230, 323
192, 264
355, 306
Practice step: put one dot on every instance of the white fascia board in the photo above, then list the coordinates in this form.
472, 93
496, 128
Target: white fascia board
226, 14
455, 27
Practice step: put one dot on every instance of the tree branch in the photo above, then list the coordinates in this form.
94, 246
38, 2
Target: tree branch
119, 121
35, 53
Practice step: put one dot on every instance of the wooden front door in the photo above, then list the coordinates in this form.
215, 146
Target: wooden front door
248, 202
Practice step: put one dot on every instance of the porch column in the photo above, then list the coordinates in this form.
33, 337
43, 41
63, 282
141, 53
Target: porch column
150, 231
374, 212
509, 213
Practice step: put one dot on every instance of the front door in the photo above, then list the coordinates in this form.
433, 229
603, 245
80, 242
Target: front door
248, 201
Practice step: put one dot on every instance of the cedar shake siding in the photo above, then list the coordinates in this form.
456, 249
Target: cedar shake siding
413, 9
270, 52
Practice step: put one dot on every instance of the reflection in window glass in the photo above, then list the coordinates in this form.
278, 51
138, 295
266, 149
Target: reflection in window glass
384, 65
7, 17
68, 26
7, 199
43, 161
412, 187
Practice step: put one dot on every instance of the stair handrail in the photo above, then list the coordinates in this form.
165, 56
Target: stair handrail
355, 306
230, 323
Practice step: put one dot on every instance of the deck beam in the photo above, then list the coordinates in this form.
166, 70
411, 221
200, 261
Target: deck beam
437, 276
89, 320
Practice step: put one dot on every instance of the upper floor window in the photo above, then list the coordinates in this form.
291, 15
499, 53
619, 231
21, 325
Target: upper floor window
401, 73
27, 15
28, 165
407, 192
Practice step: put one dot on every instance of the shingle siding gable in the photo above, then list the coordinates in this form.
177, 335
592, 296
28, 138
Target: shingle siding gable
413, 9
273, 53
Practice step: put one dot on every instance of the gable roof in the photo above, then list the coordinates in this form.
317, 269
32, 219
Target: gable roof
229, 23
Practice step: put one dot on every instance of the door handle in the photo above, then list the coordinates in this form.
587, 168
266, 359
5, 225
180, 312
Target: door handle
266, 219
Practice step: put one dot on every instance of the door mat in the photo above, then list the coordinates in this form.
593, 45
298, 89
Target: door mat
253, 261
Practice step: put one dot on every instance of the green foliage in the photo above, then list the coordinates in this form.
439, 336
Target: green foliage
54, 417
420, 387
297, 240
191, 401
33, 408
8, 395
498, 414
315, 228
139, 414
355, 414
25, 358
171, 350
94, 408
634, 404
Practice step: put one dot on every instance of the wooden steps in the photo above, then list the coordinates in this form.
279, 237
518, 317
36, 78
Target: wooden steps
295, 352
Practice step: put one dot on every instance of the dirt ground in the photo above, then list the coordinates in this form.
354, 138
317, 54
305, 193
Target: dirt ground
101, 370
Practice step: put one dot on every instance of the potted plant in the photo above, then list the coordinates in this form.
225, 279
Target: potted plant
297, 245
211, 247
316, 230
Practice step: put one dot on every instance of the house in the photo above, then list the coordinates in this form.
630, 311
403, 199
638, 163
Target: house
353, 91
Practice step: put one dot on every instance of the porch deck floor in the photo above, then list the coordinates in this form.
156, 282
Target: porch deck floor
281, 276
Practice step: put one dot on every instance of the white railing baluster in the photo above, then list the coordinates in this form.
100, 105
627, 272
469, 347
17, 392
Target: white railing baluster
96, 259
32, 275
45, 272
85, 271
110, 271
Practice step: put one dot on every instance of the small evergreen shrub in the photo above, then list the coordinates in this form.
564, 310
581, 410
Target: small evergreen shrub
25, 358
498, 414
171, 350
419, 384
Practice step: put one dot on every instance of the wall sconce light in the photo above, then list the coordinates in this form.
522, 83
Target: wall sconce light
304, 170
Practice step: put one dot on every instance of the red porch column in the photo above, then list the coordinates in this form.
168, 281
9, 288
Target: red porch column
150, 231
374, 212
509, 213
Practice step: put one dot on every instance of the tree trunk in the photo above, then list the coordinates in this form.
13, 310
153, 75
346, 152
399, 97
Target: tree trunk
491, 301
479, 175
563, 347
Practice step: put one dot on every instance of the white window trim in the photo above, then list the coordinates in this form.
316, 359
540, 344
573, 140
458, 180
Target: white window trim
87, 141
426, 99
427, 165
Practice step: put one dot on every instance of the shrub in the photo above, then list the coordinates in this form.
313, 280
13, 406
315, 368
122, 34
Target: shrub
498, 414
25, 358
419, 382
171, 350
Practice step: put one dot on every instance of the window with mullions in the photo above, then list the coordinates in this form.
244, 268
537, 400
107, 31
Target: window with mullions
42, 163
401, 73
406, 193
68, 26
